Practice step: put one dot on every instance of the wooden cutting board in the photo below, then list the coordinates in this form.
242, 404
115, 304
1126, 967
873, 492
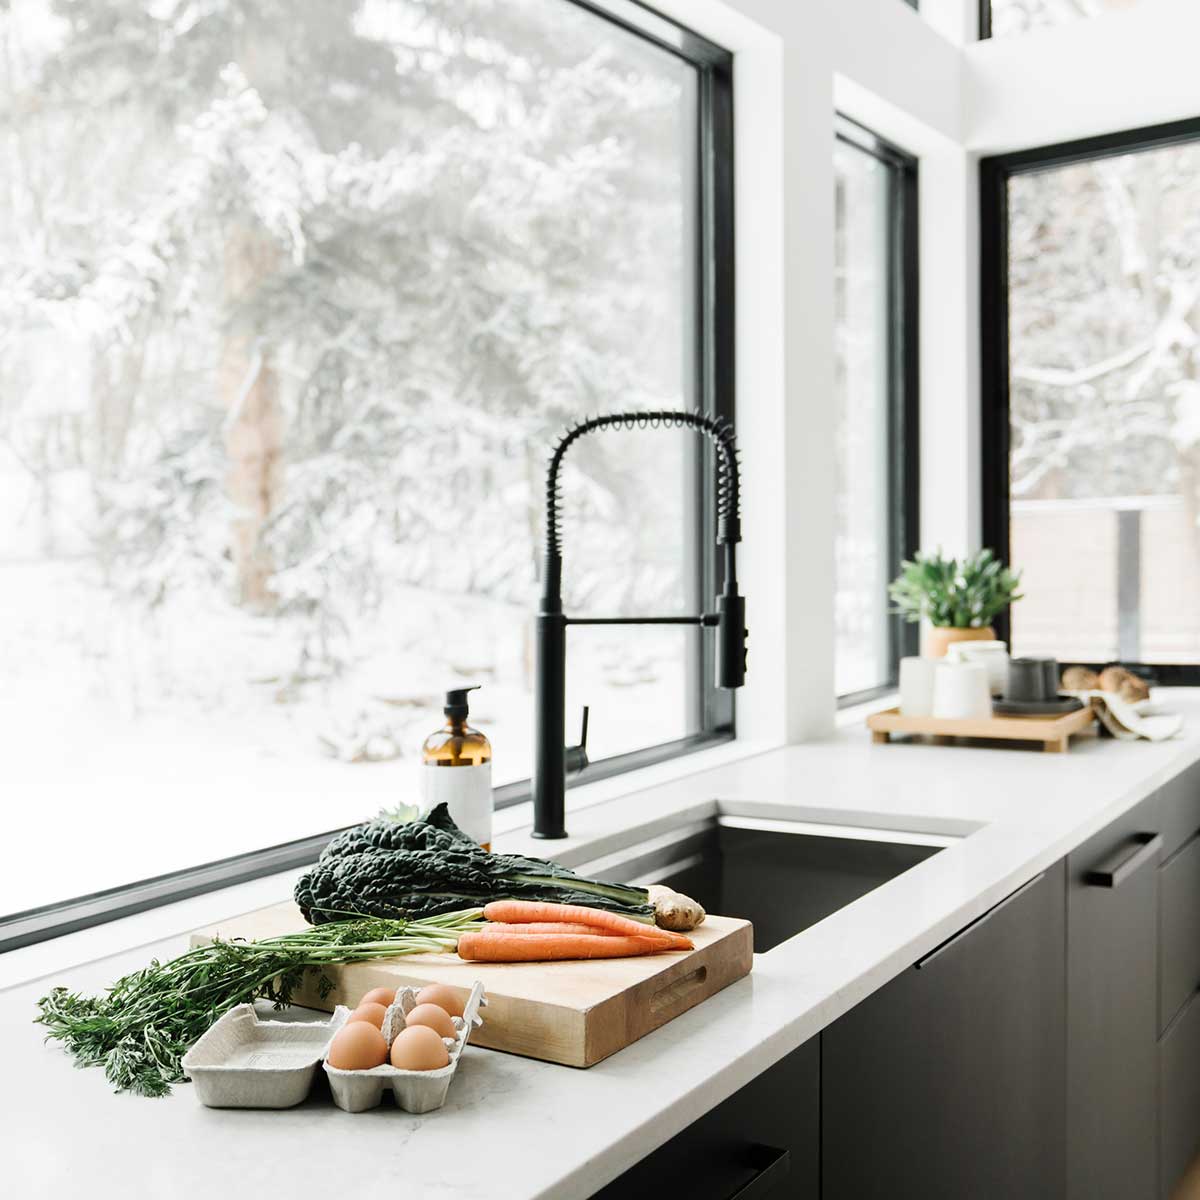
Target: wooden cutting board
575, 1013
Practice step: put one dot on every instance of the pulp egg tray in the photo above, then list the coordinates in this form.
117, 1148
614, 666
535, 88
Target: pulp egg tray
244, 1061
415, 1091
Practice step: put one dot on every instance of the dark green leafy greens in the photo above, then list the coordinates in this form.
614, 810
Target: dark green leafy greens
140, 1029
422, 868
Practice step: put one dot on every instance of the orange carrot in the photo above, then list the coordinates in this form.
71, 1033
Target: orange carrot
549, 928
523, 912
541, 947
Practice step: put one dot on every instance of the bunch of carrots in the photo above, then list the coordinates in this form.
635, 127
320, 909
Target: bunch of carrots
532, 931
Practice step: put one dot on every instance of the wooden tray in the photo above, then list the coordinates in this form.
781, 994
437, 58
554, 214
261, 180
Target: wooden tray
575, 1013
1054, 733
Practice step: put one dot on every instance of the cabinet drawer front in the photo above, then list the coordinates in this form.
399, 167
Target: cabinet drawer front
1179, 928
1112, 1012
763, 1141
1179, 1089
1180, 807
949, 1082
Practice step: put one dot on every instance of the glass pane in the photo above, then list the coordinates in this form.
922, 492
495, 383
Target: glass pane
290, 324
1105, 466
1019, 16
862, 558
640, 665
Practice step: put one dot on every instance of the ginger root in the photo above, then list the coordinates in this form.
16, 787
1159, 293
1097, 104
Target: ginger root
674, 910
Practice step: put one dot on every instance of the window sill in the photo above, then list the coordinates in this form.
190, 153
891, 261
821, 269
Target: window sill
856, 713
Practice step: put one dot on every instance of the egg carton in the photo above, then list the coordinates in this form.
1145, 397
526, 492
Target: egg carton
245, 1062
415, 1091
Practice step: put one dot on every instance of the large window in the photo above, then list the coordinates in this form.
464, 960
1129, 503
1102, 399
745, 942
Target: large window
1000, 17
1092, 394
875, 327
295, 300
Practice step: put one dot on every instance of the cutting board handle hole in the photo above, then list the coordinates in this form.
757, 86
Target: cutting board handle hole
678, 991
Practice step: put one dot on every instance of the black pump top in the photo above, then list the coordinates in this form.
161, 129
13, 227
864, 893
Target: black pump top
456, 701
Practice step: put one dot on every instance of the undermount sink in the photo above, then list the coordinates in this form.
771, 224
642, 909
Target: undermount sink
783, 876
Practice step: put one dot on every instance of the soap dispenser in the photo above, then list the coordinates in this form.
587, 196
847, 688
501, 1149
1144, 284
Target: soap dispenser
458, 770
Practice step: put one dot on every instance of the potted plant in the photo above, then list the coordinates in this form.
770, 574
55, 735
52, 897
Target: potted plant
959, 599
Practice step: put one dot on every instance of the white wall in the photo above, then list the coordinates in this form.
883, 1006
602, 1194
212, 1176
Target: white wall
1118, 71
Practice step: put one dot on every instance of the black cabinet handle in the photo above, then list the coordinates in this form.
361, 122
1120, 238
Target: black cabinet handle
772, 1164
1127, 861
955, 938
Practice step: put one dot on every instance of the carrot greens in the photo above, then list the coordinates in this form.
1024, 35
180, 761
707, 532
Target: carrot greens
141, 1027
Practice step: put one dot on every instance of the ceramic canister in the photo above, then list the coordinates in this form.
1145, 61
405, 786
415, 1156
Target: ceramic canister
993, 655
961, 691
916, 686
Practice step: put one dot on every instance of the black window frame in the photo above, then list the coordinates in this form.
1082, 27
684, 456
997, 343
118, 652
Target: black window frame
714, 371
994, 173
904, 402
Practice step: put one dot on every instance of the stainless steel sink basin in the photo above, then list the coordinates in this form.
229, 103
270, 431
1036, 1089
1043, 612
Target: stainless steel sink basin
783, 876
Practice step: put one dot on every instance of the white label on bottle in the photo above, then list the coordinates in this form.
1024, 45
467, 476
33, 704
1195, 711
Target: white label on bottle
467, 792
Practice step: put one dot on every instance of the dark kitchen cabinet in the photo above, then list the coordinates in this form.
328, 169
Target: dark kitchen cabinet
1179, 927
762, 1143
1112, 1010
1179, 1066
949, 1082
1179, 799
1179, 979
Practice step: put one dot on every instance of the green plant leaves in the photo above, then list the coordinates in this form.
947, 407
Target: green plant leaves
966, 594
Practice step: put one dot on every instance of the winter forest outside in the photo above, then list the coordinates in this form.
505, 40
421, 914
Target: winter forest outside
1104, 278
295, 298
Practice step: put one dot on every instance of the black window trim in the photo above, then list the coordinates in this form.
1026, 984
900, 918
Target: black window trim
994, 174
904, 402
715, 375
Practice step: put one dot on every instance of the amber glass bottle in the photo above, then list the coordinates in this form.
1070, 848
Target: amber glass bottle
458, 770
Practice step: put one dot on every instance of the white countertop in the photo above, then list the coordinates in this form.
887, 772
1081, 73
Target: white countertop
517, 1128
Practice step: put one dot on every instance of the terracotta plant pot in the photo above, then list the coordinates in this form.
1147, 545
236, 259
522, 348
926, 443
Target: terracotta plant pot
939, 638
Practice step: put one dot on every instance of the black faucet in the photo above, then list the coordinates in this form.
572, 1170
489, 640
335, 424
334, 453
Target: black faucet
551, 757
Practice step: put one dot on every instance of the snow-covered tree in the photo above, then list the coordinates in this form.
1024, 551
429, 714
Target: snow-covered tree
1105, 327
337, 272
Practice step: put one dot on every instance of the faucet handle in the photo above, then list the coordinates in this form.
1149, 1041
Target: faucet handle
576, 756
732, 634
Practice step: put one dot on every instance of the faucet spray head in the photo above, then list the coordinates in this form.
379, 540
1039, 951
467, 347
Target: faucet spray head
731, 637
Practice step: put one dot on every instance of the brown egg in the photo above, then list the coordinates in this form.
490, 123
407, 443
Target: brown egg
384, 996
368, 1011
438, 1019
357, 1047
418, 1048
444, 997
